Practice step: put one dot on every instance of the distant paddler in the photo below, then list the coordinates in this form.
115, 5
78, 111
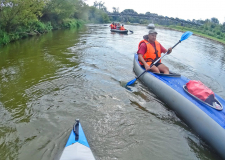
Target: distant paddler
113, 26
122, 27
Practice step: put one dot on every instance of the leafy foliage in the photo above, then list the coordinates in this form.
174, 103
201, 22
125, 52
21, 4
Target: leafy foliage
4, 37
22, 18
129, 11
214, 20
100, 6
97, 16
16, 13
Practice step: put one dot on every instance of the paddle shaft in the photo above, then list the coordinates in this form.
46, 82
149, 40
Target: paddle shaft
158, 59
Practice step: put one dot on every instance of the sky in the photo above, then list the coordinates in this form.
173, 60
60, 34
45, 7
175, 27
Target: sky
182, 9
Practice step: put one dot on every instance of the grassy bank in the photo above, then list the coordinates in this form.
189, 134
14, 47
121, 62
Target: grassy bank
36, 17
37, 28
195, 32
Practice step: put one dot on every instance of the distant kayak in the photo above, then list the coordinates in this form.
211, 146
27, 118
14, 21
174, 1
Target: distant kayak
119, 31
77, 147
208, 122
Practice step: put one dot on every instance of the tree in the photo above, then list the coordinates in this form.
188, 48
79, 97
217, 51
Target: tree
98, 16
129, 11
201, 22
16, 13
148, 14
115, 10
95, 4
100, 5
214, 20
223, 27
59, 11
81, 11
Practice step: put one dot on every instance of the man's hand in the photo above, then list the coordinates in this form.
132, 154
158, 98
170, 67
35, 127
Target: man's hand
169, 50
147, 67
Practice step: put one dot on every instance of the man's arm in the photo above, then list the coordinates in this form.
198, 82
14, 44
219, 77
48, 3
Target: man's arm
141, 59
141, 51
165, 50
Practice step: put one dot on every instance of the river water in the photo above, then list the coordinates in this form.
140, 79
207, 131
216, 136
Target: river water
49, 81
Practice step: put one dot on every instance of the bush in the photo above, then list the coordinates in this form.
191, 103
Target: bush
69, 23
218, 32
72, 23
209, 33
42, 27
4, 38
80, 23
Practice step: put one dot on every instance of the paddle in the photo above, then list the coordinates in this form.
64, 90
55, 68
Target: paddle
183, 37
131, 31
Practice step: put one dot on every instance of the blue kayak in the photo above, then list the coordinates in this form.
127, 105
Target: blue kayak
208, 122
77, 147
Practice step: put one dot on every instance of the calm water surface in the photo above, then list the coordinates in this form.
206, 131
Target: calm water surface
49, 81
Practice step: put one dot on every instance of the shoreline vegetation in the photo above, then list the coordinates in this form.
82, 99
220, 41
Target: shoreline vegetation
184, 29
21, 19
209, 28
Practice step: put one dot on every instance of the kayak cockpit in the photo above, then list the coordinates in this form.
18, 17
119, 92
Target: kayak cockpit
171, 74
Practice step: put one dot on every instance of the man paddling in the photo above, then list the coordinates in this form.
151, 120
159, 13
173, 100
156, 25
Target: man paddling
122, 27
149, 50
112, 26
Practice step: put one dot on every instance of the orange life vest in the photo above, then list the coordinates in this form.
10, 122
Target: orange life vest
151, 54
122, 28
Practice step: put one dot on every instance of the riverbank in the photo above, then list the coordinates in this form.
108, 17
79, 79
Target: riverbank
39, 29
183, 29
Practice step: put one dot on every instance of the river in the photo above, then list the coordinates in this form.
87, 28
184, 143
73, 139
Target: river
49, 81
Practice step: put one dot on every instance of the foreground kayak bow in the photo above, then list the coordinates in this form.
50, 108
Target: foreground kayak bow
77, 147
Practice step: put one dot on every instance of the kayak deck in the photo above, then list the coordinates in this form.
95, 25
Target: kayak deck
217, 107
77, 147
171, 74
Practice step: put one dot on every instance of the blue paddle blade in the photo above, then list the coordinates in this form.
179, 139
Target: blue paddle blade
131, 82
186, 35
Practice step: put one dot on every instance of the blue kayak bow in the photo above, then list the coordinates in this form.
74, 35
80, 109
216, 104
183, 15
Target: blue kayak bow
183, 37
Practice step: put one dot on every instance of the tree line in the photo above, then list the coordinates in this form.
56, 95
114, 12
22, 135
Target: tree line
209, 28
23, 18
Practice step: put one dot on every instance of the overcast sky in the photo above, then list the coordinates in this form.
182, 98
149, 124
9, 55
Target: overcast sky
183, 9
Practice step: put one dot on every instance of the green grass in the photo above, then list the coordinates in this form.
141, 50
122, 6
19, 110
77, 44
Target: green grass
195, 32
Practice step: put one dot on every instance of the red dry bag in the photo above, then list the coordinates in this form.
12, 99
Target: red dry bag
199, 90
